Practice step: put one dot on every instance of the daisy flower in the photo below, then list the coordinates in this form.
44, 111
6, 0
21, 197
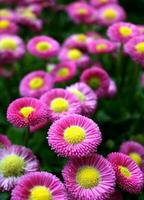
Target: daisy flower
74, 136
7, 26
96, 78
60, 102
134, 150
64, 71
8, 14
39, 186
112, 89
27, 111
110, 14
15, 162
135, 49
122, 31
86, 96
98, 3
128, 174
4, 141
89, 178
35, 84
43, 47
76, 55
11, 48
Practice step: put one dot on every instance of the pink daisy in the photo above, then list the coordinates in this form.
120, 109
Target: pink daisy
97, 78
38, 186
60, 102
89, 178
86, 96
27, 111
4, 141
134, 150
122, 31
8, 14
74, 136
15, 162
35, 84
98, 3
112, 89
128, 174
8, 27
43, 47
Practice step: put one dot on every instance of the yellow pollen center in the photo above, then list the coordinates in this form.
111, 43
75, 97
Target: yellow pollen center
4, 13
74, 134
4, 24
137, 158
63, 72
26, 111
59, 105
8, 44
103, 1
140, 47
110, 14
78, 94
82, 11
74, 54
81, 38
40, 193
12, 165
125, 171
101, 47
88, 177
36, 83
43, 46
125, 31
28, 14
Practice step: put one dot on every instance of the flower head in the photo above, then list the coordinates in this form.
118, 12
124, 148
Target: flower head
128, 174
8, 27
15, 162
99, 3
112, 89
4, 141
89, 178
35, 84
74, 136
8, 14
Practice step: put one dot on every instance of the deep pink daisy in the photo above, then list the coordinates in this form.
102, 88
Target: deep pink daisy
98, 3
112, 89
4, 141
8, 27
128, 174
89, 178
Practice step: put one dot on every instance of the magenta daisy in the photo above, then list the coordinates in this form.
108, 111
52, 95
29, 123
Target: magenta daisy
86, 96
122, 31
128, 174
134, 150
39, 186
76, 55
110, 14
60, 102
8, 27
11, 48
8, 14
97, 78
43, 47
112, 89
4, 141
15, 162
98, 3
89, 178
27, 111
64, 71
74, 136
35, 84
100, 46
135, 49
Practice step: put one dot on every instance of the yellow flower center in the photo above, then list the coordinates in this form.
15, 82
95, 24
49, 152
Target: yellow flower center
78, 94
125, 31
59, 105
88, 177
101, 47
137, 158
8, 44
140, 47
103, 1
28, 14
74, 54
36, 83
4, 24
81, 38
43, 46
110, 14
26, 111
94, 82
40, 193
63, 72
74, 134
82, 11
125, 171
12, 165
4, 13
